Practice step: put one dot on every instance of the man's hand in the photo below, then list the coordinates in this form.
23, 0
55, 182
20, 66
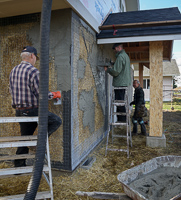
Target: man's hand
50, 96
111, 62
105, 68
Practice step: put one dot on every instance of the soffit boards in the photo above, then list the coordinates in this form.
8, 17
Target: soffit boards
10, 8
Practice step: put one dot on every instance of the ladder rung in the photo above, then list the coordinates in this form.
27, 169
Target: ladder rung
119, 113
119, 101
19, 170
18, 119
120, 136
125, 150
119, 104
16, 138
18, 144
15, 157
119, 124
40, 195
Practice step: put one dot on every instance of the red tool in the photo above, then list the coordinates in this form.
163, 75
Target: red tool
56, 95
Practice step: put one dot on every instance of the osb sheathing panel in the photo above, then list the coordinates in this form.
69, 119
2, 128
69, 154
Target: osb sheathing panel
87, 84
156, 88
12, 39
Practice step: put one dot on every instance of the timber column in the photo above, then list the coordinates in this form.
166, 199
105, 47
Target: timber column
141, 74
156, 137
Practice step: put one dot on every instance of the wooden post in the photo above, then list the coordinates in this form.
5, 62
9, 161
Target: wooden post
141, 74
156, 88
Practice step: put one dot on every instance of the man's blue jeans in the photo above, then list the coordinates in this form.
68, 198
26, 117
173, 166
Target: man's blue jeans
28, 128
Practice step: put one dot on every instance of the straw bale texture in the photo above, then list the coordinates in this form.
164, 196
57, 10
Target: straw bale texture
12, 39
56, 140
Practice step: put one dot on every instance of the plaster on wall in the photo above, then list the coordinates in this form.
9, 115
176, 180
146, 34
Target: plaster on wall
87, 105
81, 69
60, 43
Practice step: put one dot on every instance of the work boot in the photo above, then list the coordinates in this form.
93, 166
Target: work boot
143, 129
20, 163
134, 132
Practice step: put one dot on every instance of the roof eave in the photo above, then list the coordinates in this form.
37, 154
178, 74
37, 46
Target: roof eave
138, 39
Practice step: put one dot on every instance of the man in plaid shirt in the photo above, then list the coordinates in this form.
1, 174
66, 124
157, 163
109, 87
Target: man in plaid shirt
24, 89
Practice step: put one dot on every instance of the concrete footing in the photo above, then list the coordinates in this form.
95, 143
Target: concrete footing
156, 141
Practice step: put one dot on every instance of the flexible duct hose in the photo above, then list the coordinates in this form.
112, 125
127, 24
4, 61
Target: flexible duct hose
43, 101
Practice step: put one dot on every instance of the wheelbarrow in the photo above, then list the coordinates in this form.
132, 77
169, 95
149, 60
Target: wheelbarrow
144, 169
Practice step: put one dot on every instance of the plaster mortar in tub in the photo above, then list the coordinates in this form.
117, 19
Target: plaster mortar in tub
156, 179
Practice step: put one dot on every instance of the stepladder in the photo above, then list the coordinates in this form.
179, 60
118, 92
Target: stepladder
24, 141
119, 117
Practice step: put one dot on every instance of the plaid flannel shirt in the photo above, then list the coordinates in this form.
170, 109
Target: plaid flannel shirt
24, 85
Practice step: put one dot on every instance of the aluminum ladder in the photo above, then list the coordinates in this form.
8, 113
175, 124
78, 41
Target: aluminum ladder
115, 103
20, 141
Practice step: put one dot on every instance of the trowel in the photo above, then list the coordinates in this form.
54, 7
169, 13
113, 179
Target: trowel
107, 63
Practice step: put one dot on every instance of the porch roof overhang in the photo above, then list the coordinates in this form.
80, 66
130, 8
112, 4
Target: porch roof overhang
136, 29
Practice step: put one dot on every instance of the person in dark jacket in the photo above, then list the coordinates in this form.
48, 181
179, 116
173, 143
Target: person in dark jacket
138, 102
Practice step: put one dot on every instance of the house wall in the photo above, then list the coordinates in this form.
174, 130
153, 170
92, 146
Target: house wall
59, 79
94, 11
89, 90
17, 32
13, 37
74, 69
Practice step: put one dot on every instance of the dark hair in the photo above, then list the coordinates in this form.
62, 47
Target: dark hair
116, 45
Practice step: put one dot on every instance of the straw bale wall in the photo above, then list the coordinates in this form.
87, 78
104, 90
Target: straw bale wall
74, 69
12, 39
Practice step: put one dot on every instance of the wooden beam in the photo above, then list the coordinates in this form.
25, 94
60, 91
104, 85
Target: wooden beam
137, 49
141, 24
170, 53
103, 195
156, 89
138, 60
141, 74
147, 65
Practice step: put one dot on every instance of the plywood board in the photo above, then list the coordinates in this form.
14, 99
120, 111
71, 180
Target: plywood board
156, 88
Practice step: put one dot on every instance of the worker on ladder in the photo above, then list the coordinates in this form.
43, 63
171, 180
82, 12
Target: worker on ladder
121, 76
24, 89
139, 103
